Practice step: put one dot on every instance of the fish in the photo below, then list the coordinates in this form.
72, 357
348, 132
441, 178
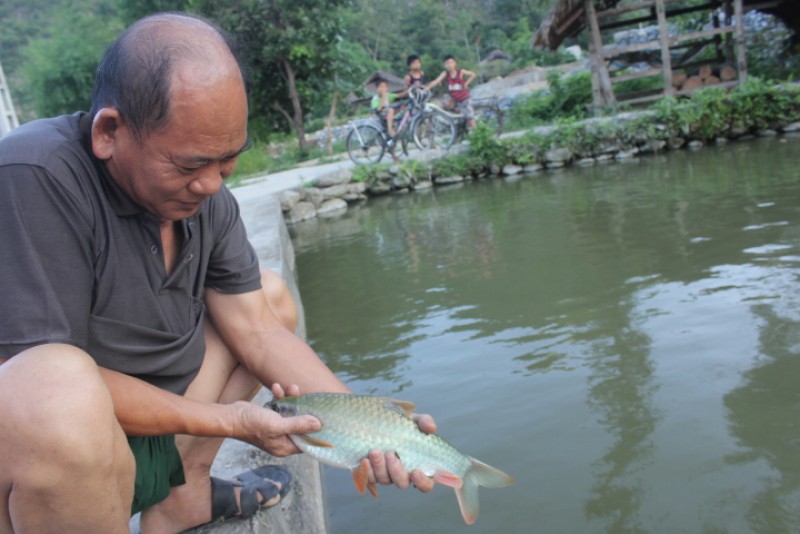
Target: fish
352, 425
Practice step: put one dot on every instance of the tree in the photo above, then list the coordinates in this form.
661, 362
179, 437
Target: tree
59, 68
290, 46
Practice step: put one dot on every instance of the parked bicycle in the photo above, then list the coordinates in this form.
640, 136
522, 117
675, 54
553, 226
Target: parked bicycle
424, 124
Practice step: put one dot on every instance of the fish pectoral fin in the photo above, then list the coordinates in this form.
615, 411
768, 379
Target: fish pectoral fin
405, 406
315, 442
361, 479
448, 479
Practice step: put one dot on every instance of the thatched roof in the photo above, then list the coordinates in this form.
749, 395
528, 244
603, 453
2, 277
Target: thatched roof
567, 18
396, 83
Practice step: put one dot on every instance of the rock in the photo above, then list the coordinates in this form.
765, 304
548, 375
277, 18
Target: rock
556, 164
401, 181
653, 145
558, 155
586, 162
289, 199
793, 127
721, 141
356, 187
331, 207
766, 133
738, 131
301, 211
676, 142
354, 197
313, 195
608, 148
626, 154
696, 144
379, 187
453, 179
423, 184
335, 191
604, 158
511, 170
339, 177
531, 168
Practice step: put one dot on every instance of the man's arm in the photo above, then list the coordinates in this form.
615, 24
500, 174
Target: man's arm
268, 350
145, 410
273, 354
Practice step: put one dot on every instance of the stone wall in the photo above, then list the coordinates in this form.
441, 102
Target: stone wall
332, 194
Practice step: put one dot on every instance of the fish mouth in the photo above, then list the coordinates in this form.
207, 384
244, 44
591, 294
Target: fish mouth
285, 410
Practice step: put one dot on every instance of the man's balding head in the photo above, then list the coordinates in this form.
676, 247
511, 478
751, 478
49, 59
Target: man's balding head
136, 73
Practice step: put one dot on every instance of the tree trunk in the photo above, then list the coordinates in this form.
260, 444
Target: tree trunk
296, 118
329, 124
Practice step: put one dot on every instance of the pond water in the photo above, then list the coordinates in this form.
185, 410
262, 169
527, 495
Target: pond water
623, 339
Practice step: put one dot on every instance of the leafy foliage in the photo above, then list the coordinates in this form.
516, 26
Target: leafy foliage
567, 97
64, 85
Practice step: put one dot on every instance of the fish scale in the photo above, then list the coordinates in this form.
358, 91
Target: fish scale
352, 425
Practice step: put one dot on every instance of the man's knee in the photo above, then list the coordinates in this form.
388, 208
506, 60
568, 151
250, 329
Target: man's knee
62, 451
54, 403
280, 298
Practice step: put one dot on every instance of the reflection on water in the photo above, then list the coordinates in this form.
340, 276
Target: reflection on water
622, 339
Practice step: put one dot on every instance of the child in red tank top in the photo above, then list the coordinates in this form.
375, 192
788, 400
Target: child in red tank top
458, 81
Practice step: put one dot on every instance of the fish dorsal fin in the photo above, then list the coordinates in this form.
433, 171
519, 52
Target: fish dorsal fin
315, 442
404, 406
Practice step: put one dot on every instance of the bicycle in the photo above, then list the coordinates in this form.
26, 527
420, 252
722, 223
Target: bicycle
491, 114
424, 124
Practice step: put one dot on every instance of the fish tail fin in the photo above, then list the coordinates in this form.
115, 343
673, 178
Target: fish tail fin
478, 474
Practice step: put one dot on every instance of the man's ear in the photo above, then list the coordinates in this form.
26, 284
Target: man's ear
105, 132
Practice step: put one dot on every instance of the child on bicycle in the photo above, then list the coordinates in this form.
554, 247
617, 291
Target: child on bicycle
457, 87
383, 104
415, 76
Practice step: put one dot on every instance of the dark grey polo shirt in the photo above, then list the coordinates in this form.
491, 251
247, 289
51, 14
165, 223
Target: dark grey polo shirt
82, 264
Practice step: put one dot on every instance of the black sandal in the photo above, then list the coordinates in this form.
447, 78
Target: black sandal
269, 481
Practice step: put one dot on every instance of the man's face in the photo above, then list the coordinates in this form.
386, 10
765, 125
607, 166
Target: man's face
450, 65
383, 88
415, 65
174, 169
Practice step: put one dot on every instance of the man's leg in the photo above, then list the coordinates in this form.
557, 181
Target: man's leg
221, 380
65, 465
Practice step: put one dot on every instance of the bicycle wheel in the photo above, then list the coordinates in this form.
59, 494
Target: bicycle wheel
434, 130
365, 145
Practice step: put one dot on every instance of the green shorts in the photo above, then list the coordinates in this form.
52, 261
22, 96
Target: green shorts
158, 468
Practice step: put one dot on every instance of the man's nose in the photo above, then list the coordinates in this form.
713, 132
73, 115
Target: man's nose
209, 182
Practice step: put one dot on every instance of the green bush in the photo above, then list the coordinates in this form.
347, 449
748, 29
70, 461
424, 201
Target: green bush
485, 146
568, 97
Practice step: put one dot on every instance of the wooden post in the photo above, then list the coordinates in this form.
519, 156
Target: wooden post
741, 59
603, 92
730, 58
663, 37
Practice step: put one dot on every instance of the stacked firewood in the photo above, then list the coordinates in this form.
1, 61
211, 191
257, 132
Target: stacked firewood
705, 76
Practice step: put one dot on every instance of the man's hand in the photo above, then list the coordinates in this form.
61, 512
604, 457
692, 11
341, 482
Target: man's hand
387, 468
270, 431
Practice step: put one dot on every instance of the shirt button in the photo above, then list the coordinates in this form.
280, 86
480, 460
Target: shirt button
153, 249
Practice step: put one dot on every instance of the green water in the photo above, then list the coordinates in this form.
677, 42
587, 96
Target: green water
624, 340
